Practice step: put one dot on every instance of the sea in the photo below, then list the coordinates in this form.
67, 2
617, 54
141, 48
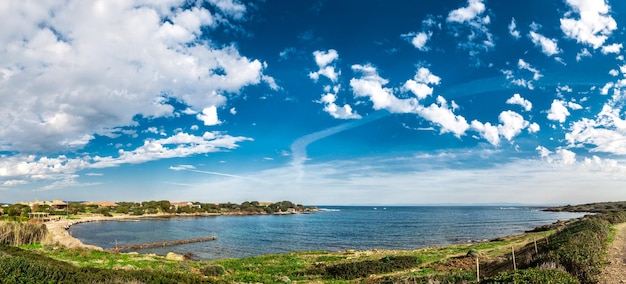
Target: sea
333, 228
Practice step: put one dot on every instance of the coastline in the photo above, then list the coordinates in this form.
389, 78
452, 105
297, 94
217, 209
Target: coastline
59, 229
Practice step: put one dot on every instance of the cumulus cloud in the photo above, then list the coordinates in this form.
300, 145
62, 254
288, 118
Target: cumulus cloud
592, 25
343, 112
465, 14
371, 86
209, 116
605, 133
419, 85
442, 115
612, 48
487, 131
511, 124
516, 99
558, 111
548, 46
323, 60
79, 81
418, 40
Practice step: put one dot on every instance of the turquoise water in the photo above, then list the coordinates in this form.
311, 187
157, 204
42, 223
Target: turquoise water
333, 229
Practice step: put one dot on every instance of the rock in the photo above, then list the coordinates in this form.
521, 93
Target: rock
174, 256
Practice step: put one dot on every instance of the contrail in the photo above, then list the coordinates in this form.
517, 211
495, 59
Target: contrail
298, 147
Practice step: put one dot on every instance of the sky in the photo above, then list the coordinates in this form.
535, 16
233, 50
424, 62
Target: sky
315, 101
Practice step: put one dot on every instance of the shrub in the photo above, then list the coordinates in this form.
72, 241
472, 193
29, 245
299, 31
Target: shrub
353, 270
532, 276
213, 270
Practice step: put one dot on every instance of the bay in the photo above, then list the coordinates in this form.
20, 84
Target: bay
334, 228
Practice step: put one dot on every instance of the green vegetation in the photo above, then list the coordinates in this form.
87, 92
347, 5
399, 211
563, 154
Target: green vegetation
600, 207
572, 252
533, 275
24, 266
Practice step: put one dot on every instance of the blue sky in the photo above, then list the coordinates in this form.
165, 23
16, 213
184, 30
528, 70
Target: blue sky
318, 102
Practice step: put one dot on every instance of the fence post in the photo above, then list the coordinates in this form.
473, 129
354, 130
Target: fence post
477, 271
513, 254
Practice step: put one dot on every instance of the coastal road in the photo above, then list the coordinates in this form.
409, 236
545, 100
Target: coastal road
615, 271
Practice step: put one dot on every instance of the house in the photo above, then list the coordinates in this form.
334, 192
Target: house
58, 205
176, 205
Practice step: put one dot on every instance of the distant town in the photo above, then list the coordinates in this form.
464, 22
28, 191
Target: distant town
57, 208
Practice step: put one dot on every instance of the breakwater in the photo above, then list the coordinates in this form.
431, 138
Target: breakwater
162, 244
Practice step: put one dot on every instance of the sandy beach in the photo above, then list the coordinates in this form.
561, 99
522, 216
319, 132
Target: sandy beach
59, 234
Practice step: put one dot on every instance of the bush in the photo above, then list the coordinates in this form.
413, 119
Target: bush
353, 270
532, 276
580, 248
213, 270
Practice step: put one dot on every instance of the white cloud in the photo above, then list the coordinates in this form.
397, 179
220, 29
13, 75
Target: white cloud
522, 82
443, 116
613, 72
323, 60
470, 17
593, 24
418, 40
370, 85
513, 29
209, 116
286, 53
526, 66
548, 46
233, 111
182, 167
518, 100
533, 128
230, 8
419, 85
466, 14
179, 145
582, 54
344, 112
574, 106
612, 48
558, 111
82, 82
487, 131
606, 133
512, 124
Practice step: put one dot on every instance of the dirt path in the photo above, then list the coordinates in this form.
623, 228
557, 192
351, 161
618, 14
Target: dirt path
615, 271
